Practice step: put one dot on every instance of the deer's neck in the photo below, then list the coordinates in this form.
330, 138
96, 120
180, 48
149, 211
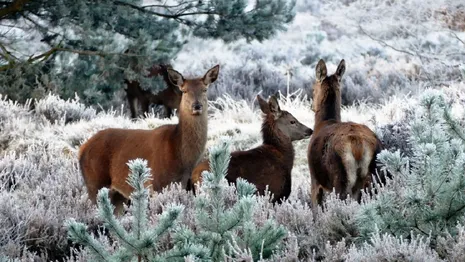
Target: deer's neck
192, 131
329, 109
274, 137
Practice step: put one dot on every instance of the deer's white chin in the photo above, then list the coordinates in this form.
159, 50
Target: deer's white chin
196, 112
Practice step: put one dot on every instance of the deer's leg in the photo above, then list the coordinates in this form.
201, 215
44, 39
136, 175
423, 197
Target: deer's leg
145, 103
117, 200
168, 112
317, 194
133, 106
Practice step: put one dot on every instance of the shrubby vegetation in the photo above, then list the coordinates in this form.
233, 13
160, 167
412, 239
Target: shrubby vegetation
89, 48
41, 187
393, 74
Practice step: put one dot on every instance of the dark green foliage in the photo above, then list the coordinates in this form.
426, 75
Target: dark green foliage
225, 229
142, 241
90, 47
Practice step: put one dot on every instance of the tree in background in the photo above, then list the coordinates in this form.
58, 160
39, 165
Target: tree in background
89, 47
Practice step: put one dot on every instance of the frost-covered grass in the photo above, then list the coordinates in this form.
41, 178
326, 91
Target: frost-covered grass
388, 67
41, 185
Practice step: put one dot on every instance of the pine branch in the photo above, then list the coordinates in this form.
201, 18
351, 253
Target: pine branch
166, 6
172, 16
105, 210
44, 56
77, 232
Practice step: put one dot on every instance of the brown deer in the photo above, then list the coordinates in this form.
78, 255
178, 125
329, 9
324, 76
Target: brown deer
271, 163
341, 155
172, 151
169, 98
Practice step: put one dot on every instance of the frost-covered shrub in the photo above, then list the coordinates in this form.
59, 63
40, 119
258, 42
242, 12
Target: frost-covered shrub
227, 230
385, 247
56, 109
452, 246
395, 136
427, 194
47, 189
141, 242
41, 185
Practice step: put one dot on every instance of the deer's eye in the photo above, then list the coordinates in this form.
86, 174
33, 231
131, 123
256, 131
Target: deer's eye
204, 90
292, 122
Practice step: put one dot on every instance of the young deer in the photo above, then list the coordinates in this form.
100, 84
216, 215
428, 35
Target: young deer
172, 151
169, 97
341, 155
271, 163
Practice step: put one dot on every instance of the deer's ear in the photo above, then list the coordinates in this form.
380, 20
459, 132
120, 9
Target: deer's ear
263, 105
341, 69
175, 77
274, 107
211, 75
320, 71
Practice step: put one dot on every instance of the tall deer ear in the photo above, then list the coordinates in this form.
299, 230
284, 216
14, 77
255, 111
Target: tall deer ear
341, 69
175, 77
321, 71
263, 105
274, 107
211, 75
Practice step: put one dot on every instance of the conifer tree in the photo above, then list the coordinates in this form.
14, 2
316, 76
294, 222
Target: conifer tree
89, 47
427, 194
228, 231
141, 243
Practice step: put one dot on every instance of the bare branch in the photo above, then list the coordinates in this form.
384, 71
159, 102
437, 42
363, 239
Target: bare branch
169, 6
15, 7
44, 56
382, 42
7, 55
172, 16
457, 37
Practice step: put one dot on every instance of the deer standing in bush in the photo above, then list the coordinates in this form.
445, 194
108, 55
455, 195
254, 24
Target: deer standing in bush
172, 151
341, 155
271, 163
169, 97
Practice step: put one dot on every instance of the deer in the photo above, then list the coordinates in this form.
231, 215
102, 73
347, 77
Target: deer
172, 150
270, 164
169, 98
341, 155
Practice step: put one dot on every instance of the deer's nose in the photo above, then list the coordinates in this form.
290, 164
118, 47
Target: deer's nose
197, 106
309, 132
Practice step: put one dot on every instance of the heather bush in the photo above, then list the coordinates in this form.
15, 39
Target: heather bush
41, 185
385, 247
55, 109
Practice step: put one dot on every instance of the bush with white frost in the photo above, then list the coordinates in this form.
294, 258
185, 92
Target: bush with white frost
427, 194
55, 109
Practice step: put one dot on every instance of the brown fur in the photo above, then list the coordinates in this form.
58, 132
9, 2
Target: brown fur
172, 151
271, 163
169, 98
341, 155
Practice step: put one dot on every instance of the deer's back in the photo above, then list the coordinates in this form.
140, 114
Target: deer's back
262, 166
331, 143
113, 148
